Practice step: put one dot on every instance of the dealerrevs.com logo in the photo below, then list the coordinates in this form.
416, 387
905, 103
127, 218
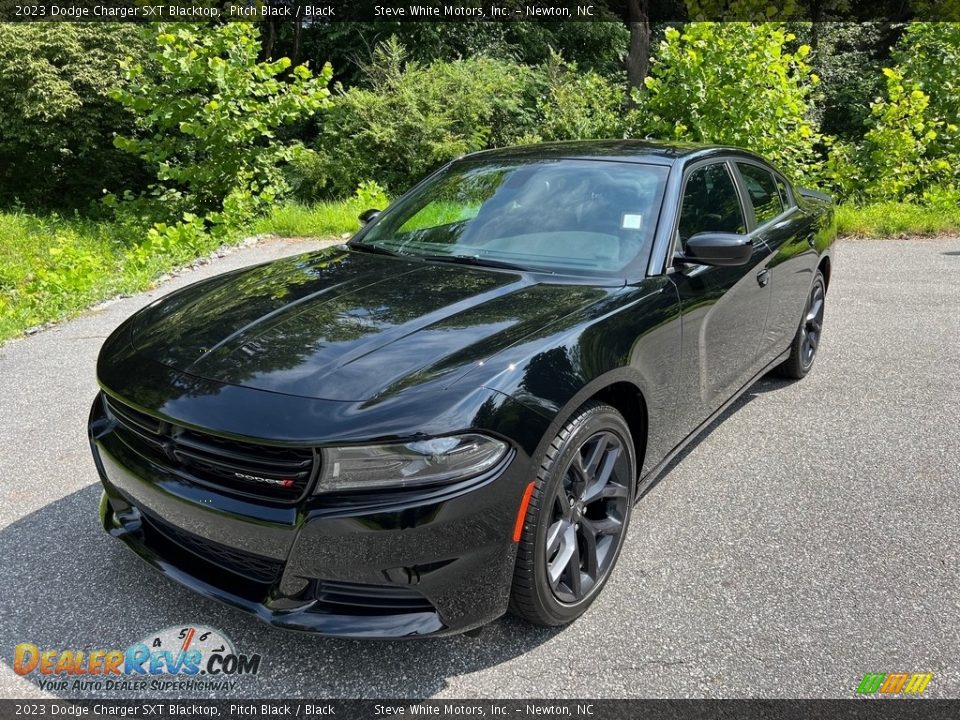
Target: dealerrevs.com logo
191, 657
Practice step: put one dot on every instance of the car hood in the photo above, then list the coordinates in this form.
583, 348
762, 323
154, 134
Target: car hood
346, 325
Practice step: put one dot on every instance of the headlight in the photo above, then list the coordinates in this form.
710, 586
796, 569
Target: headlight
424, 462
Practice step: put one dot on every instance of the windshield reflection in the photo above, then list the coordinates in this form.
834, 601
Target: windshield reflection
579, 216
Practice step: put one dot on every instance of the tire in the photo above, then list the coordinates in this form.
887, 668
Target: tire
546, 589
803, 349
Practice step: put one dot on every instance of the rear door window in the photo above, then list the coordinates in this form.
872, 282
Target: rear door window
763, 192
785, 196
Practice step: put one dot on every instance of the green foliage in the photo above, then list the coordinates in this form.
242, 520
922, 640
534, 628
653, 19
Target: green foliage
593, 46
331, 217
208, 116
371, 195
414, 118
848, 58
733, 83
579, 104
51, 267
56, 113
911, 149
896, 160
929, 55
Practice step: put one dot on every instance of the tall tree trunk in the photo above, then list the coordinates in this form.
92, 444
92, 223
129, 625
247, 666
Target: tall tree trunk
815, 13
297, 41
270, 41
638, 58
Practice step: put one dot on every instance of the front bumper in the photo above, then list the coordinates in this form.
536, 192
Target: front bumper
422, 564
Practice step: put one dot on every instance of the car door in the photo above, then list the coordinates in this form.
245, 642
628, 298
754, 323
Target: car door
724, 309
789, 233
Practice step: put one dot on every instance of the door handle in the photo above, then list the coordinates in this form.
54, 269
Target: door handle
763, 277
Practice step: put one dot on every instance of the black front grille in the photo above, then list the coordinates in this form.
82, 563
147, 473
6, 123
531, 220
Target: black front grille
254, 567
357, 599
263, 471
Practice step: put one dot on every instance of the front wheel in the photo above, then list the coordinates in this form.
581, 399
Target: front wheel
577, 517
803, 350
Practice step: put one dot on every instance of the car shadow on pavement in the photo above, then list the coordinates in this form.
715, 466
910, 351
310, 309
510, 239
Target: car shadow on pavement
768, 383
67, 585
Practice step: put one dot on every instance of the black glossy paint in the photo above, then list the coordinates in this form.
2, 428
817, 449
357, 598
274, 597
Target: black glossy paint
343, 346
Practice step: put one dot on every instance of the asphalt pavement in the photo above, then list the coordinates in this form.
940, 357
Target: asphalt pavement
812, 534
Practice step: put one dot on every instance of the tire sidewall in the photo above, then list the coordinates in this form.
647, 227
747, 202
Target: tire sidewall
818, 280
589, 423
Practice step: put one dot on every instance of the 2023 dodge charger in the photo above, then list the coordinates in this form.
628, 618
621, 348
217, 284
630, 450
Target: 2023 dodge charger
454, 413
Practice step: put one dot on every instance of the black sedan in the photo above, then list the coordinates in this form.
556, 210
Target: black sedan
453, 414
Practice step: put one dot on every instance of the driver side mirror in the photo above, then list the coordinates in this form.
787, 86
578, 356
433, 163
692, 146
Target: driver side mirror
721, 249
368, 216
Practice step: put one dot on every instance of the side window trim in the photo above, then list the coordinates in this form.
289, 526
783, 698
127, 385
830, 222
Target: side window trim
746, 210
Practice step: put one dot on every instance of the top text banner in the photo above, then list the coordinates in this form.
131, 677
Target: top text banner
318, 11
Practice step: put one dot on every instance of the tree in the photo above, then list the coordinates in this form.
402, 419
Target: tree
848, 58
596, 45
413, 118
638, 56
208, 113
911, 148
57, 115
760, 102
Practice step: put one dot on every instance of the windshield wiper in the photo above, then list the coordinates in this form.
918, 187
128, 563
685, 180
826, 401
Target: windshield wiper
376, 249
478, 261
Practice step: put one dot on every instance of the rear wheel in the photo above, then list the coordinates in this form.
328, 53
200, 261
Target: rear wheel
577, 517
803, 350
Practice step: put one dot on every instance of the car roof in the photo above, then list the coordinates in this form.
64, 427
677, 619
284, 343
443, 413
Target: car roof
635, 151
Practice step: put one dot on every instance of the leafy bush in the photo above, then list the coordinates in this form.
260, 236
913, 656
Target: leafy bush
848, 58
371, 195
911, 148
58, 119
413, 118
579, 105
928, 54
208, 113
733, 83
597, 46
896, 160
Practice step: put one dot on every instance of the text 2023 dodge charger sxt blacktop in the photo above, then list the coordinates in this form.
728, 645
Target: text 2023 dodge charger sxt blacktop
453, 414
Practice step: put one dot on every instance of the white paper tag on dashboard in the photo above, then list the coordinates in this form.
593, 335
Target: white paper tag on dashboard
632, 221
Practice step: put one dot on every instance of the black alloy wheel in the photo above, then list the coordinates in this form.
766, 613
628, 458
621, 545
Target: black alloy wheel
587, 518
803, 350
577, 519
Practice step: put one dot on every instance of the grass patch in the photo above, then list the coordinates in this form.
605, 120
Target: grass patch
892, 219
322, 219
53, 267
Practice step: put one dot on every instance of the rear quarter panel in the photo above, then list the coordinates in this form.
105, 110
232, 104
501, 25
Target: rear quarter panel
798, 246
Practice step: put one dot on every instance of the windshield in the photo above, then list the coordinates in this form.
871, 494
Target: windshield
576, 216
